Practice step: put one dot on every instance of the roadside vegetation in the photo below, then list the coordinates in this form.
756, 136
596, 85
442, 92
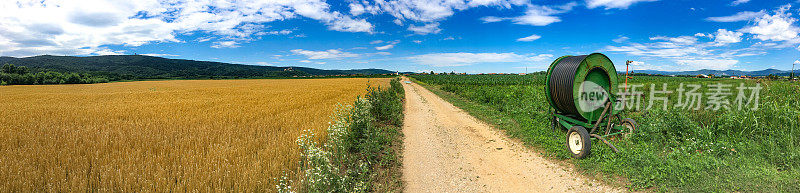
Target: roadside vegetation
362, 150
673, 150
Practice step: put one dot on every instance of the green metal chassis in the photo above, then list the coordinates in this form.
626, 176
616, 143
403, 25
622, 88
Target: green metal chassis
602, 124
568, 122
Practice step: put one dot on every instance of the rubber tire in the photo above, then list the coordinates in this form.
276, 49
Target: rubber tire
586, 142
632, 123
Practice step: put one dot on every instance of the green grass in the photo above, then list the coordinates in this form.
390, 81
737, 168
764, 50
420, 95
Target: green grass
674, 149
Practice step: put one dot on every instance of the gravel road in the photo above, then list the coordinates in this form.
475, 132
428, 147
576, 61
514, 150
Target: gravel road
447, 150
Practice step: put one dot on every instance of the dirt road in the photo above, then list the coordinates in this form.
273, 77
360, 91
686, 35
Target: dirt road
447, 150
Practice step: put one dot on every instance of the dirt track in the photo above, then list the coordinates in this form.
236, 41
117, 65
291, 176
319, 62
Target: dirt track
447, 150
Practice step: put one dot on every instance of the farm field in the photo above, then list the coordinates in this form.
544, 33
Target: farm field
181, 135
676, 149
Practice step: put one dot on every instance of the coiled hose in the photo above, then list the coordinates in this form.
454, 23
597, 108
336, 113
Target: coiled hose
562, 82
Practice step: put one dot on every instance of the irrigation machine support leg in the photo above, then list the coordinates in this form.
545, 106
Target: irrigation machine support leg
554, 123
596, 123
608, 125
606, 142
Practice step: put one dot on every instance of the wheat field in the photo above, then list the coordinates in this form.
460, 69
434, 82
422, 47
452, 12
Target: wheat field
179, 135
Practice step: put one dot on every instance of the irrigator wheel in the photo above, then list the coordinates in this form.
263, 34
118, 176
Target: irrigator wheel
630, 126
579, 143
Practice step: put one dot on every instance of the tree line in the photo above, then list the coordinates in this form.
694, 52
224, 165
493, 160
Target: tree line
11, 74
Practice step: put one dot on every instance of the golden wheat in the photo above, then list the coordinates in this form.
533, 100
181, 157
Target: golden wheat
186, 135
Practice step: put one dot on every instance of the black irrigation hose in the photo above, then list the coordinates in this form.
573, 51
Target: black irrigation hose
562, 80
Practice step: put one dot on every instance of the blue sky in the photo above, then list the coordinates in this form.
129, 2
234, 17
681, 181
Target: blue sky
412, 35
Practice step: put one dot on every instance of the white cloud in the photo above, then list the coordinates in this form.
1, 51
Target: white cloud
742, 52
449, 38
417, 41
714, 64
737, 2
658, 49
386, 47
541, 57
431, 28
390, 45
280, 32
204, 39
704, 35
225, 44
464, 59
777, 30
741, 16
398, 22
104, 51
641, 65
433, 11
724, 36
797, 62
423, 11
613, 4
529, 38
376, 42
347, 24
491, 19
356, 9
327, 54
682, 40
621, 39
160, 55
305, 61
32, 27
536, 15
542, 15
688, 53
777, 27
501, 3
681, 50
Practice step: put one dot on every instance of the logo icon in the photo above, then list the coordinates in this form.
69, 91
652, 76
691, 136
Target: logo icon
591, 96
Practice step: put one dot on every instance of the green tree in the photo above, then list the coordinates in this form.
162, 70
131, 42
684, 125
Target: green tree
22, 70
12, 69
8, 68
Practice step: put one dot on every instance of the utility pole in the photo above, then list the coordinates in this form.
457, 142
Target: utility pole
792, 76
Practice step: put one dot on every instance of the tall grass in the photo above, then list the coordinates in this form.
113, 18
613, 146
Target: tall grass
361, 153
158, 136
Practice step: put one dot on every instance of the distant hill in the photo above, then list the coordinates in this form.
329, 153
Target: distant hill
720, 72
150, 67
